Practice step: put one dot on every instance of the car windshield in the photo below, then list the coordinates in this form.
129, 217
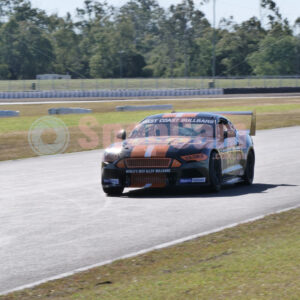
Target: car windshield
188, 127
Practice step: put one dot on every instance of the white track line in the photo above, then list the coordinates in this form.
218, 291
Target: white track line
161, 246
151, 100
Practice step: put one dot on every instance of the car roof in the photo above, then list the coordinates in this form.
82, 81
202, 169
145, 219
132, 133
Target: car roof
193, 114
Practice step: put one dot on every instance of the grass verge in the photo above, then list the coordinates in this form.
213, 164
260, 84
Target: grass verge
259, 260
272, 113
145, 83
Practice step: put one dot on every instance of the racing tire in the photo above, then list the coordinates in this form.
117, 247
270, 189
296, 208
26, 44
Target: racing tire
113, 191
249, 170
215, 172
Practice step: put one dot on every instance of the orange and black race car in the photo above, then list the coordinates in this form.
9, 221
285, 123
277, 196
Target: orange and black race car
180, 149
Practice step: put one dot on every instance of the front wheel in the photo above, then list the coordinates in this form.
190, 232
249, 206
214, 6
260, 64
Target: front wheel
249, 170
215, 172
113, 191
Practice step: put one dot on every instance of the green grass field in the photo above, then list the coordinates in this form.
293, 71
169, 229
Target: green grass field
271, 113
259, 260
144, 83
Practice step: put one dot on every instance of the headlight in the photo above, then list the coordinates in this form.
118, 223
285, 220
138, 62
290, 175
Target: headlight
111, 156
195, 157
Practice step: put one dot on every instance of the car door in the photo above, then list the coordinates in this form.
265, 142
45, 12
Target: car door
235, 149
229, 149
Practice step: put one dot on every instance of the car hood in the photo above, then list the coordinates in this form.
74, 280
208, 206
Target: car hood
161, 146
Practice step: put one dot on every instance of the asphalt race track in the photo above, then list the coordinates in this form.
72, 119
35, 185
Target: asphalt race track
9, 102
55, 218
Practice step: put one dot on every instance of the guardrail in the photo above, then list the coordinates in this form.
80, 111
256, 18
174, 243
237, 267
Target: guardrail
110, 93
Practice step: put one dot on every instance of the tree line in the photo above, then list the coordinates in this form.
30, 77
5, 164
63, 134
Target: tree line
142, 39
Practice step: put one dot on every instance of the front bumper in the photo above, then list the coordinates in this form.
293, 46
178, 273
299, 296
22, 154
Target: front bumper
189, 174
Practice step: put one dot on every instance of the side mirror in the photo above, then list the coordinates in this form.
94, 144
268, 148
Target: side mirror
121, 135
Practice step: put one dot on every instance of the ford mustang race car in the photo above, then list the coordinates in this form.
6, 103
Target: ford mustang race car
180, 149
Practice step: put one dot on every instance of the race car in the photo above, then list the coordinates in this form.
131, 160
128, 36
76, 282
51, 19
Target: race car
182, 150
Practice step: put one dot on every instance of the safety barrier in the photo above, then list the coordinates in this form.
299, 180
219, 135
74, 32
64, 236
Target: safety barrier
68, 110
9, 113
261, 90
144, 107
111, 93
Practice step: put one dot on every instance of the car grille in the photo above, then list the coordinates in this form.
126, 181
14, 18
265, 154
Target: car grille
156, 180
132, 163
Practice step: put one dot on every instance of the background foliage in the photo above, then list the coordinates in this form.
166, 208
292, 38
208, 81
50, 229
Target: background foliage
142, 39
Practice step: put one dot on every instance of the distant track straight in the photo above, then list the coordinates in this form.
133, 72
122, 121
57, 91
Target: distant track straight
196, 98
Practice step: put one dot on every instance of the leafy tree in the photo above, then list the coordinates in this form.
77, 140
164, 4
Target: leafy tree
275, 56
234, 47
141, 39
24, 49
95, 36
180, 30
201, 57
67, 51
104, 62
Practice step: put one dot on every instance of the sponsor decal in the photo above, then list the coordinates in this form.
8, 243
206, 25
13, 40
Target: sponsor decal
148, 171
193, 180
199, 180
186, 180
179, 120
112, 181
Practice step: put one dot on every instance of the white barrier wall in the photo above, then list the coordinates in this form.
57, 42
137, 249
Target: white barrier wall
144, 107
69, 110
9, 113
111, 93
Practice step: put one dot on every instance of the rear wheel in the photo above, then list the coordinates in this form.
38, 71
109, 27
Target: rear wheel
113, 191
215, 172
249, 170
